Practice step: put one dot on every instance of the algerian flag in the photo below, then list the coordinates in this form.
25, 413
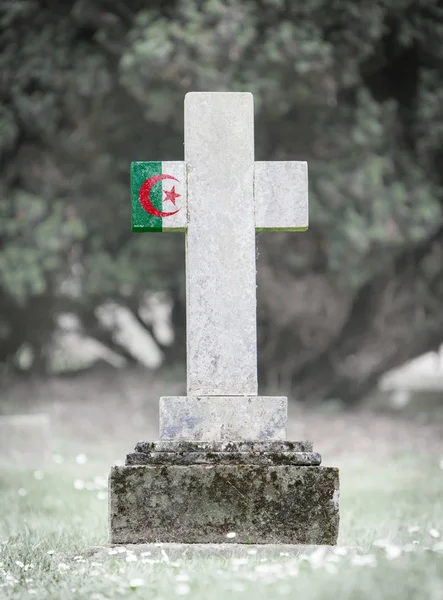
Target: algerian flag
158, 196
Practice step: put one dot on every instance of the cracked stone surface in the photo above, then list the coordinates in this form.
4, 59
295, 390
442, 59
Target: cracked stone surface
231, 446
202, 504
246, 458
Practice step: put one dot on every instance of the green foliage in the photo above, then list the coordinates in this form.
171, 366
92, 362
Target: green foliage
354, 88
36, 238
52, 519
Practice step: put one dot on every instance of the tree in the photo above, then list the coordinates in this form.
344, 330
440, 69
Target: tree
355, 89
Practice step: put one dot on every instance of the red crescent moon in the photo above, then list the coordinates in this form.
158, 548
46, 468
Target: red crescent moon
145, 196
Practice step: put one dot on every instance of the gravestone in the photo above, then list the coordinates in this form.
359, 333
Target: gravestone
222, 464
24, 440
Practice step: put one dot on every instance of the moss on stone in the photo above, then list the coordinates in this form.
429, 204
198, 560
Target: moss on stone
277, 504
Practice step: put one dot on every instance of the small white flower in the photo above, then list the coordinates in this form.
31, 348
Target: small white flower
182, 577
165, 556
113, 551
381, 543
252, 551
231, 535
434, 533
19, 564
78, 557
268, 568
392, 552
340, 551
365, 560
101, 495
50, 552
39, 475
22, 492
237, 562
81, 459
136, 583
131, 558
100, 481
330, 568
413, 528
63, 567
333, 558
415, 542
121, 550
182, 589
317, 557
145, 554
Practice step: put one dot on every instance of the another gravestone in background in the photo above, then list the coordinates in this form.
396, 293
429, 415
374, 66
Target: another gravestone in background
25, 440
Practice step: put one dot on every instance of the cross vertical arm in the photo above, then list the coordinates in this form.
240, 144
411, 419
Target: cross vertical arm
220, 246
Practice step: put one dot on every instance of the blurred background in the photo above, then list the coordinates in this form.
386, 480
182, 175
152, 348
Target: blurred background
356, 89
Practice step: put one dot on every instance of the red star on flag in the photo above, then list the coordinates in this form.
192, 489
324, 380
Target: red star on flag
171, 195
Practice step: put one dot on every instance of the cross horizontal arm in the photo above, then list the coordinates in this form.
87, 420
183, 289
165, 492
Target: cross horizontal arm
281, 196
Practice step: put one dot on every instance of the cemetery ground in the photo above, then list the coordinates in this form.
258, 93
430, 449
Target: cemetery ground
391, 468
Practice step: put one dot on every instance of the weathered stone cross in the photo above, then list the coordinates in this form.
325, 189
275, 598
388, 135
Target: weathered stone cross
223, 469
220, 197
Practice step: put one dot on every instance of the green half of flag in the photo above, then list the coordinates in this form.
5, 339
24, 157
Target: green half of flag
144, 180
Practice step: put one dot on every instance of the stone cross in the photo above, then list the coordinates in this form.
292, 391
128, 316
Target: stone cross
220, 197
222, 464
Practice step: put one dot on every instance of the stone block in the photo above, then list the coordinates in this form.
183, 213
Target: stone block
24, 440
180, 446
203, 503
223, 418
241, 453
210, 458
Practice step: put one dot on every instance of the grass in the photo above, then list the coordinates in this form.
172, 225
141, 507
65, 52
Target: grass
391, 507
51, 520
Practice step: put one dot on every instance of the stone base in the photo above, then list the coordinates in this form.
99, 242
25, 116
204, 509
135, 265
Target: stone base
201, 503
223, 418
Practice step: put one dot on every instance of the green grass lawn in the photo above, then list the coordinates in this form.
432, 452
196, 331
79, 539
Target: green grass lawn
391, 507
